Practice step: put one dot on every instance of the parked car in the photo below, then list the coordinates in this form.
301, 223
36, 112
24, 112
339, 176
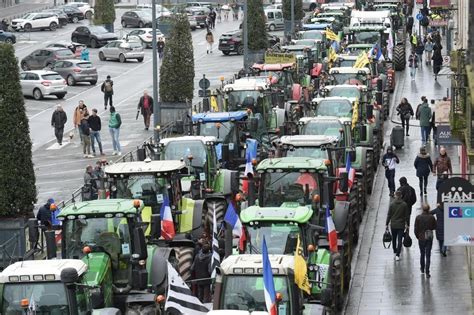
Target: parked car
122, 50
84, 7
7, 37
159, 9
136, 18
62, 17
192, 21
200, 15
232, 42
45, 57
74, 15
76, 70
143, 35
208, 5
76, 48
34, 21
274, 19
41, 83
93, 36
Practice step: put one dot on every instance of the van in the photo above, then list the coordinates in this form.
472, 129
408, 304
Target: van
274, 19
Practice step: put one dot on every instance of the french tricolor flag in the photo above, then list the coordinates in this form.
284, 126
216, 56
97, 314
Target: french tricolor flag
268, 285
233, 220
331, 229
350, 171
167, 224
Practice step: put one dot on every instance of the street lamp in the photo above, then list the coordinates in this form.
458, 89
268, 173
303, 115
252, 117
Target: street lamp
246, 37
156, 103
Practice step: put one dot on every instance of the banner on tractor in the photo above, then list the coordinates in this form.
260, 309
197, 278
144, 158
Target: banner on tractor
275, 58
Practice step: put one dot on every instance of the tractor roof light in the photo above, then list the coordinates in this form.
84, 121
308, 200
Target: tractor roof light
327, 162
254, 162
190, 157
316, 198
24, 303
221, 78
136, 203
218, 125
160, 299
239, 197
279, 297
311, 248
86, 250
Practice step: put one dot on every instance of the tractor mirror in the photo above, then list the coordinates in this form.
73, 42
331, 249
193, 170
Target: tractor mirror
352, 156
180, 127
328, 194
370, 111
69, 275
379, 98
362, 133
344, 182
155, 226
139, 243
253, 124
225, 153
96, 298
33, 233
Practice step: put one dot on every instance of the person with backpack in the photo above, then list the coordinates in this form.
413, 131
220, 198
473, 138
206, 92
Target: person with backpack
413, 64
439, 213
425, 223
398, 219
86, 136
419, 50
114, 128
108, 89
423, 166
58, 120
408, 195
145, 106
405, 111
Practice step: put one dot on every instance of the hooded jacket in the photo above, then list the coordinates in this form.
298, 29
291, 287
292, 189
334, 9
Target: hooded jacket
201, 266
423, 165
425, 115
398, 214
408, 194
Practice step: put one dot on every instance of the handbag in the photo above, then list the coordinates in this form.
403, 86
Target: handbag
407, 241
407, 116
429, 235
387, 238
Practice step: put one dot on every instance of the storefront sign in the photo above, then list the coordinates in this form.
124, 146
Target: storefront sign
275, 58
438, 23
444, 136
440, 3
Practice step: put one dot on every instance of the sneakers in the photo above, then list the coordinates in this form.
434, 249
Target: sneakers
102, 153
119, 153
422, 271
428, 275
443, 253
397, 258
115, 153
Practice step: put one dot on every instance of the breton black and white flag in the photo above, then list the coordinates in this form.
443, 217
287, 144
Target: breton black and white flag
180, 297
216, 259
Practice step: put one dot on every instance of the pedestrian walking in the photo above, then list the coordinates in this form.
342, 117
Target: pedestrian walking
86, 136
114, 128
108, 89
425, 223
89, 190
405, 111
219, 12
202, 270
79, 113
145, 107
213, 16
424, 167
408, 195
439, 213
437, 60
210, 41
389, 160
58, 120
95, 125
424, 115
429, 50
442, 167
409, 25
397, 217
419, 50
413, 41
413, 64
160, 47
433, 121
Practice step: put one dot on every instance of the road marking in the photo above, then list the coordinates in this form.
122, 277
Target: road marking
56, 146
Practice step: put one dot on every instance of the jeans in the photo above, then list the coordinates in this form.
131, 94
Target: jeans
146, 118
390, 175
425, 131
115, 133
420, 59
439, 181
405, 122
95, 135
412, 72
442, 248
204, 293
425, 251
107, 97
428, 57
59, 132
423, 180
397, 240
86, 144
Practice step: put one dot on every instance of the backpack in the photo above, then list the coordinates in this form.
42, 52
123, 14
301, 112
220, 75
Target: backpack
108, 86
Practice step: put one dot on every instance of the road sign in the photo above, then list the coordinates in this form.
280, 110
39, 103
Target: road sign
204, 93
204, 83
275, 58
419, 16
446, 59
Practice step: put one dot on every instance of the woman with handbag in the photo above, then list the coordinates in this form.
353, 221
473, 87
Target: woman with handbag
405, 111
425, 223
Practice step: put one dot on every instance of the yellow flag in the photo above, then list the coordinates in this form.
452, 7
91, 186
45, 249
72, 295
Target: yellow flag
332, 55
214, 106
301, 270
355, 113
331, 35
362, 60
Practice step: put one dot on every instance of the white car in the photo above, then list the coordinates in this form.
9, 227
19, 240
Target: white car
192, 22
143, 35
160, 10
84, 8
39, 20
40, 83
122, 50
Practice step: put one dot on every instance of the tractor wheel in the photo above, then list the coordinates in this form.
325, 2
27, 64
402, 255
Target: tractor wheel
369, 169
220, 206
399, 57
295, 115
185, 256
386, 104
336, 274
346, 268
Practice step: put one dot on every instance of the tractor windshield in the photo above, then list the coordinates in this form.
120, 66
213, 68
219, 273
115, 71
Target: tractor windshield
246, 293
177, 150
367, 37
281, 238
241, 100
345, 91
312, 152
291, 187
316, 35
338, 108
150, 189
111, 235
222, 130
322, 127
45, 297
348, 78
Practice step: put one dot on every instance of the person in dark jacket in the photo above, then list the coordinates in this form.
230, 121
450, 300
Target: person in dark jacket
424, 115
108, 89
419, 50
405, 111
442, 167
409, 24
408, 195
95, 127
389, 160
413, 64
437, 60
86, 136
44, 213
58, 120
424, 167
397, 217
439, 213
425, 223
145, 107
202, 270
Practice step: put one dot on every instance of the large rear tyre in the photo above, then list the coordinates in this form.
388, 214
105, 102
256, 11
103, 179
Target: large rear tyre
218, 205
185, 256
399, 57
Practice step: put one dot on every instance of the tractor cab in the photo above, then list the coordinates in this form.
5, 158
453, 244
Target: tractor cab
356, 49
333, 106
348, 75
312, 146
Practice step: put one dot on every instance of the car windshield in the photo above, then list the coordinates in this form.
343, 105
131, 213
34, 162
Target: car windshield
47, 298
177, 150
366, 37
306, 42
64, 53
223, 133
84, 65
236, 99
52, 76
322, 127
290, 187
311, 152
144, 14
347, 63
338, 108
281, 238
29, 16
110, 234
312, 35
98, 30
348, 78
247, 293
349, 92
